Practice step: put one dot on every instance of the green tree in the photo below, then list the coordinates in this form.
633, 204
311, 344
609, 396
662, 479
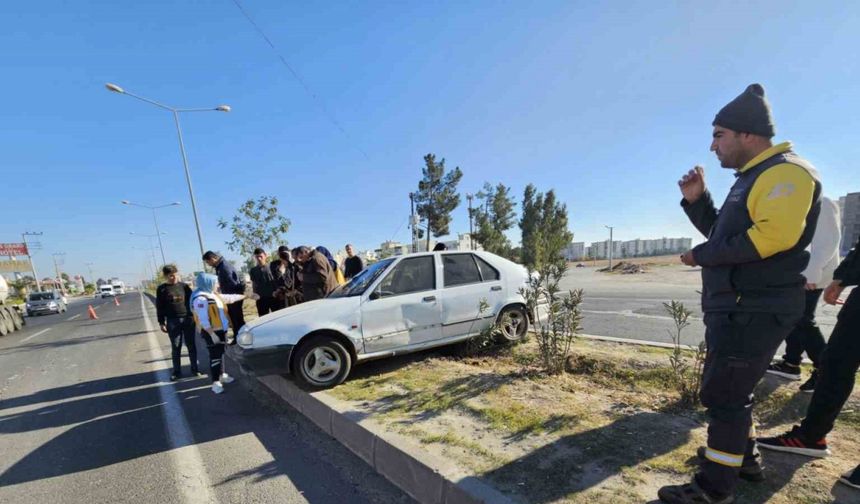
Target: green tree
257, 223
437, 196
493, 217
530, 222
544, 230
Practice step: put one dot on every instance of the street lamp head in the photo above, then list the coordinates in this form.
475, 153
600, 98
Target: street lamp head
223, 108
114, 88
125, 202
175, 203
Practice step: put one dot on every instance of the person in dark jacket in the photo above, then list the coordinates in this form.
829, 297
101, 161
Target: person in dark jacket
317, 276
353, 264
288, 286
175, 319
230, 283
752, 283
263, 283
837, 370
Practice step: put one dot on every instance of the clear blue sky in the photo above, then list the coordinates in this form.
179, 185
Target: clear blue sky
606, 103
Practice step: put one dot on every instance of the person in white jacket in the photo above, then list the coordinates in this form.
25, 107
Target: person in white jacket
806, 336
209, 309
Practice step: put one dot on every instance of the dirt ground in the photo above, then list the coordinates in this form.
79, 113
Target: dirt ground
607, 430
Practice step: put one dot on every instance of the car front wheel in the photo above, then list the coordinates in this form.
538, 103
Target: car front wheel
321, 362
513, 324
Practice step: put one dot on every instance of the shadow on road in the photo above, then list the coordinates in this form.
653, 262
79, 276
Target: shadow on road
120, 419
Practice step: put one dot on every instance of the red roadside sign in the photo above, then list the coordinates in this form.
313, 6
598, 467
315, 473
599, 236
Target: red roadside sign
13, 249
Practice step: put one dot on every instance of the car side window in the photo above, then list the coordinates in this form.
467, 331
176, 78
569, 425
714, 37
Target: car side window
488, 273
415, 274
460, 269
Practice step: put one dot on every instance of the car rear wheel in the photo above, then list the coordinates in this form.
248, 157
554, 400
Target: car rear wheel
321, 362
513, 324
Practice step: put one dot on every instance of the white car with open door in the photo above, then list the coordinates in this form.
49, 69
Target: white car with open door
397, 305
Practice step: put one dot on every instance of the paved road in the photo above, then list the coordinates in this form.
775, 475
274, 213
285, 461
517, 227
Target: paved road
85, 408
626, 306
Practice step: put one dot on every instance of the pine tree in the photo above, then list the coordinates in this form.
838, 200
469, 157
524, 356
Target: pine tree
493, 217
437, 196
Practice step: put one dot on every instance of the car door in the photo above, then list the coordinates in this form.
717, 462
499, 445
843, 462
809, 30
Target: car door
403, 309
464, 291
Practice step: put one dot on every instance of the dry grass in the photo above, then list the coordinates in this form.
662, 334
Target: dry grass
608, 430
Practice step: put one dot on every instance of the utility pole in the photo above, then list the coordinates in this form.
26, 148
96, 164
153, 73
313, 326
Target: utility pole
413, 222
57, 271
471, 233
92, 277
24, 235
610, 228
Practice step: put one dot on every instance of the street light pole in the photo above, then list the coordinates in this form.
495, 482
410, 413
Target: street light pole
57, 271
24, 235
471, 233
89, 266
155, 220
220, 108
610, 228
188, 179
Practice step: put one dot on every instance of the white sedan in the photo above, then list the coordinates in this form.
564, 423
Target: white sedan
397, 305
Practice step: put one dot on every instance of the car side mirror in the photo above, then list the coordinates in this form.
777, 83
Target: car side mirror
374, 295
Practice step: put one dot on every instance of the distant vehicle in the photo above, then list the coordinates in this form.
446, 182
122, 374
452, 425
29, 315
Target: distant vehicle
580, 265
118, 287
39, 303
106, 291
398, 305
11, 318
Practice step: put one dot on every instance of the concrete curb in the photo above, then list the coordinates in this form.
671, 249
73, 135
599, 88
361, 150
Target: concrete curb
423, 476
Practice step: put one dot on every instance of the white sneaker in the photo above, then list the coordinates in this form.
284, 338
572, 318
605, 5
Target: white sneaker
225, 378
217, 387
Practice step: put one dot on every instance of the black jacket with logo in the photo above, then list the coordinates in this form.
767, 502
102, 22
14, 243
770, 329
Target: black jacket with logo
755, 252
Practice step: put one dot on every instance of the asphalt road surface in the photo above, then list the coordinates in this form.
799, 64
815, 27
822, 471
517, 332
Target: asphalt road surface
631, 306
88, 415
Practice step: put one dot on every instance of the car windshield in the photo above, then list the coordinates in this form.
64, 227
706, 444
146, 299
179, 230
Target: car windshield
362, 281
107, 288
41, 296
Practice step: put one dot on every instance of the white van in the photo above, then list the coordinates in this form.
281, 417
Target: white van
106, 291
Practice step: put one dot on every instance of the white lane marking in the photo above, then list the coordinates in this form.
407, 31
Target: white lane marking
73, 317
194, 484
28, 338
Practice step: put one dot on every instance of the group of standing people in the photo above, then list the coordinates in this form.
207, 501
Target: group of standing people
214, 307
299, 275
769, 249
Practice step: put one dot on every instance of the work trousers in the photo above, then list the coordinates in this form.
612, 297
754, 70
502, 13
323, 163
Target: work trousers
740, 348
837, 369
267, 305
806, 336
181, 329
237, 316
216, 352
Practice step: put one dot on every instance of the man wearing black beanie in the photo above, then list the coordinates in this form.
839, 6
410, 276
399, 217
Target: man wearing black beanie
752, 286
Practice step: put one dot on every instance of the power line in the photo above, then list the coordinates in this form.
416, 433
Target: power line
329, 115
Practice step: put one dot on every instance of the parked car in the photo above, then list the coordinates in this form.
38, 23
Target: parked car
395, 306
50, 301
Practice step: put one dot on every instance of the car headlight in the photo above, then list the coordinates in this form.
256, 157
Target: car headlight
28, 306
52, 305
245, 337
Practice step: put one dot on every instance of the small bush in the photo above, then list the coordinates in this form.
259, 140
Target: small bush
556, 331
686, 376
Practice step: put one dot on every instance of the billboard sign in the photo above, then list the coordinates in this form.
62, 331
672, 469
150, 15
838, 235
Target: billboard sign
13, 249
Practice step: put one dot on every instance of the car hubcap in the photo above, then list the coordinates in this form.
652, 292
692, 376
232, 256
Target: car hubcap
322, 364
512, 324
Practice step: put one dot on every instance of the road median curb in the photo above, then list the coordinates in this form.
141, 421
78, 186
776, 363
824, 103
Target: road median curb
425, 477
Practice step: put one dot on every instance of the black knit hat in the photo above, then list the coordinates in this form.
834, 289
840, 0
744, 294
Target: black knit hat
748, 113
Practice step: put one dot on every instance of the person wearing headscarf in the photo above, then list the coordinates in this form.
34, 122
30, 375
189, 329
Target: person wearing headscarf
210, 313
